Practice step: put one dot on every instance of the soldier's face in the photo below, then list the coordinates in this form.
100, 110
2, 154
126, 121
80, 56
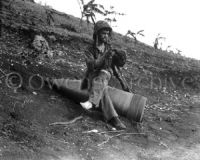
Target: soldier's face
104, 36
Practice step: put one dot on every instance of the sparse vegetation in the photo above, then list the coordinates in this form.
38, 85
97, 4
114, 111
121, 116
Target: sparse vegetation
135, 35
157, 41
111, 15
90, 9
49, 13
178, 51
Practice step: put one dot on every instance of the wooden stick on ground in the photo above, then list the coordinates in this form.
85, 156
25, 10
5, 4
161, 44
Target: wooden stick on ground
110, 137
66, 123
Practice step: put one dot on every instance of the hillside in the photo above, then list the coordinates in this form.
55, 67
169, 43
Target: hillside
171, 125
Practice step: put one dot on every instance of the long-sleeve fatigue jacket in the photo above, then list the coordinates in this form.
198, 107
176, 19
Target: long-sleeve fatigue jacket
95, 62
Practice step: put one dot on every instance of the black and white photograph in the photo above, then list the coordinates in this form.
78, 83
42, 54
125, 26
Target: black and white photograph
99, 80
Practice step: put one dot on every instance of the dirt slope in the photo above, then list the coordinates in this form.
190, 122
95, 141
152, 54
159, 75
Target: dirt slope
171, 126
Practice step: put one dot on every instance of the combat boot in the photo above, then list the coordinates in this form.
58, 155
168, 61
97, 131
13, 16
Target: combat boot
115, 122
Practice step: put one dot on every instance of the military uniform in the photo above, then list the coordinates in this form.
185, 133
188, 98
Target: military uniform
100, 68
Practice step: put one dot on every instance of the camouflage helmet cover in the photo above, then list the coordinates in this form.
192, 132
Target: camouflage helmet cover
99, 26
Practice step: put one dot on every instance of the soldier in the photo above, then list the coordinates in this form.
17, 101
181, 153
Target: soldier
102, 62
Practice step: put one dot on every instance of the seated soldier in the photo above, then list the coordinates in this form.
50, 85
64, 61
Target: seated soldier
101, 62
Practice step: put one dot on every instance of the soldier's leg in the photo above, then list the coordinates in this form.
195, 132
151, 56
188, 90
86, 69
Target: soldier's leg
107, 106
109, 111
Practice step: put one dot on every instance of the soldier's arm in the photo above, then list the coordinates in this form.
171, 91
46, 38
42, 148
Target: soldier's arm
118, 74
93, 63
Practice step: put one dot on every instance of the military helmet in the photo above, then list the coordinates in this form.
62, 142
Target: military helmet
99, 26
